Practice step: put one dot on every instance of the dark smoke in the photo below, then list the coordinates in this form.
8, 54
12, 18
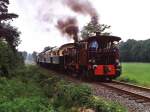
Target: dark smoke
82, 7
69, 26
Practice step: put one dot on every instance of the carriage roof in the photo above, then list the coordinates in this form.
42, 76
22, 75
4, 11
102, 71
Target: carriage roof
67, 45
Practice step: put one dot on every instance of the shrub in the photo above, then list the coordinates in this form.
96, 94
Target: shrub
9, 59
31, 104
99, 105
72, 95
17, 96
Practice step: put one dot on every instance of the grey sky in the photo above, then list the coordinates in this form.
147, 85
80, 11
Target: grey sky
128, 18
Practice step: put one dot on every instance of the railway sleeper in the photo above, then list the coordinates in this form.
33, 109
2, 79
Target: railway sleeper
140, 101
126, 96
133, 98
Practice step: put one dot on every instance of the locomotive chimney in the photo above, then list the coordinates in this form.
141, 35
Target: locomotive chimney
75, 38
98, 33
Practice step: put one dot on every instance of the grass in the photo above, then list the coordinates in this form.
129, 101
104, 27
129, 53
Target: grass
136, 73
33, 89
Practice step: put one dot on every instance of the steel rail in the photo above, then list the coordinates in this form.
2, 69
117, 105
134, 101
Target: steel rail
132, 85
137, 97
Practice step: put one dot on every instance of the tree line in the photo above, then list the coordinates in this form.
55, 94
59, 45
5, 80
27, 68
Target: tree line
10, 58
135, 51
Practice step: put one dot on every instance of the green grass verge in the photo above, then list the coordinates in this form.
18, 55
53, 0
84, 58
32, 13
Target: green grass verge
32, 89
136, 73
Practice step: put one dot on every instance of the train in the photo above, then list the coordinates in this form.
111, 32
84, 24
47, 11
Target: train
94, 57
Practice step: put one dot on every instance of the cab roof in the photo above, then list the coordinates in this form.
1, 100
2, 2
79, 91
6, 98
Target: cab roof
103, 38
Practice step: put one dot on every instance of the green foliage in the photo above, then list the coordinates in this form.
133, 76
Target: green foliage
127, 79
4, 15
100, 105
30, 73
76, 95
136, 73
17, 95
93, 27
9, 60
14, 88
34, 56
3, 6
24, 54
135, 51
10, 34
23, 92
4, 56
31, 104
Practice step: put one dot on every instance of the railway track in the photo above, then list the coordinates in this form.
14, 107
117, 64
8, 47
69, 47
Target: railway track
137, 93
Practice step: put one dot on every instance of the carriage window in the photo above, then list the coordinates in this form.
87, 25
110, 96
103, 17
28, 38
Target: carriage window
93, 44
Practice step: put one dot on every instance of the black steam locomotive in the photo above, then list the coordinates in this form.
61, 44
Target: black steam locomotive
94, 57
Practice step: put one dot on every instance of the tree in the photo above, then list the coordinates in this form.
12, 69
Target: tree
24, 54
92, 27
48, 48
34, 55
10, 58
4, 15
135, 51
10, 35
8, 32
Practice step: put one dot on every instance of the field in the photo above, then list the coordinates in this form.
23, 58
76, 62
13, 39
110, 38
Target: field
137, 73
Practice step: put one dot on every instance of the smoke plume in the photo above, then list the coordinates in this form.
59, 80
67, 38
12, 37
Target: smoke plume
69, 26
81, 6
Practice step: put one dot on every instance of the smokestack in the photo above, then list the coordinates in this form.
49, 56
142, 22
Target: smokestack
98, 33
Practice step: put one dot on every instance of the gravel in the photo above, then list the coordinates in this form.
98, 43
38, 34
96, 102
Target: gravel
131, 104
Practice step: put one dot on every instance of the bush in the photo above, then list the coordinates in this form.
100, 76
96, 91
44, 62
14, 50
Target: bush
9, 59
17, 95
71, 95
99, 105
31, 104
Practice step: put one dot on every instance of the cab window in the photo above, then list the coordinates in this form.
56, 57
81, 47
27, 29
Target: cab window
94, 44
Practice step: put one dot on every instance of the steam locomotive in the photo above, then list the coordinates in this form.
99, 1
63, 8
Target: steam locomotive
94, 57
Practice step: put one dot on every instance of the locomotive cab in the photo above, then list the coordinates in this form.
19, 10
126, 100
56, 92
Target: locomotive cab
101, 56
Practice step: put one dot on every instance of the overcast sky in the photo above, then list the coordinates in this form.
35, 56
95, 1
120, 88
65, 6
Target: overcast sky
128, 19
